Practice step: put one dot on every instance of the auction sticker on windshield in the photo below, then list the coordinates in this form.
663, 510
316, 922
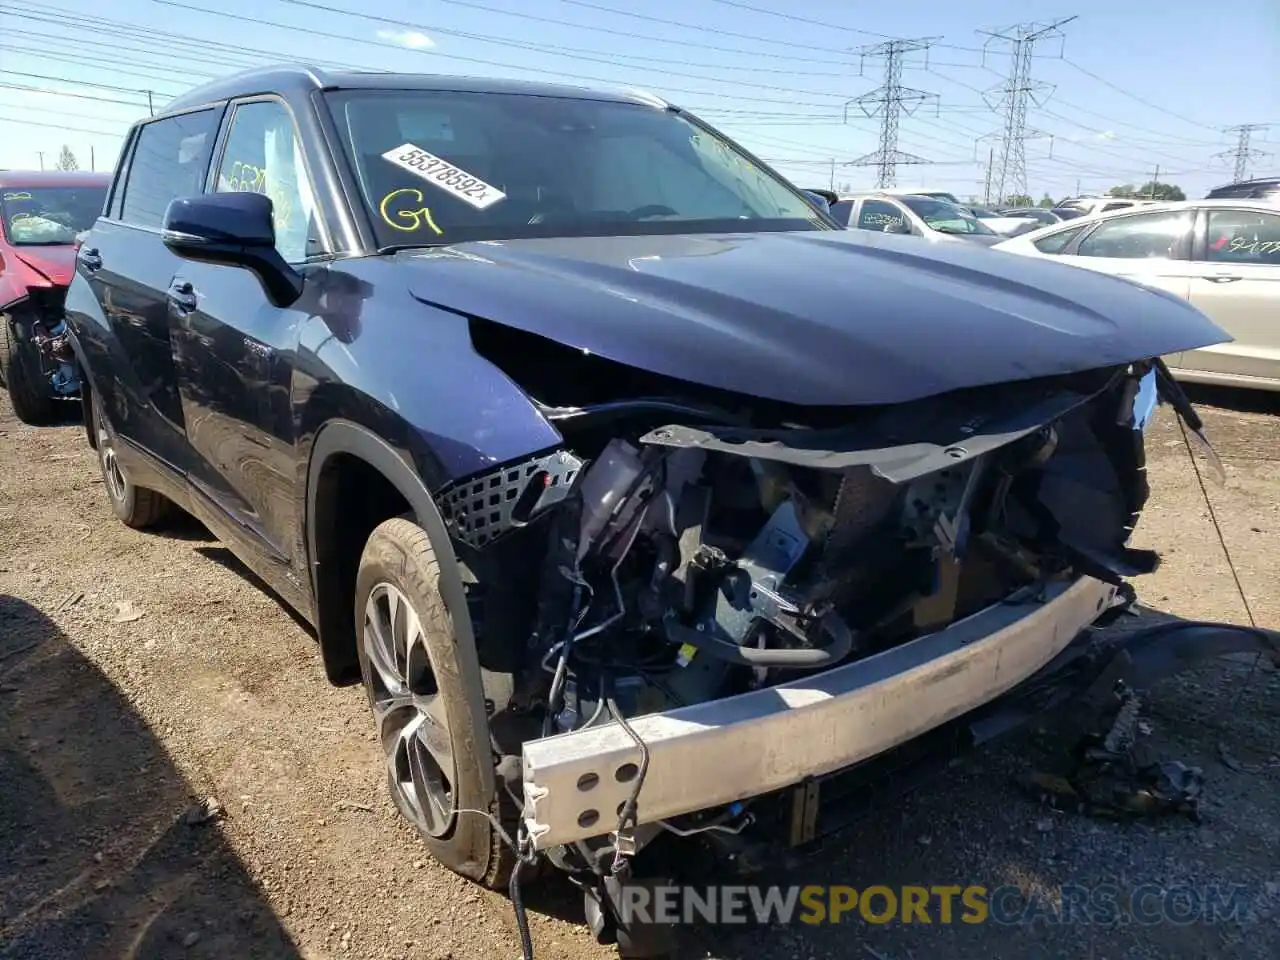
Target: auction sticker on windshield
445, 175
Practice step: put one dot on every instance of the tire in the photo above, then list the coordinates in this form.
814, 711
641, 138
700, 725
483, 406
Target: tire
33, 401
432, 738
133, 505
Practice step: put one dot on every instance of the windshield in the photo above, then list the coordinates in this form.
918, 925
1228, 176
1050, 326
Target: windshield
440, 167
49, 216
946, 217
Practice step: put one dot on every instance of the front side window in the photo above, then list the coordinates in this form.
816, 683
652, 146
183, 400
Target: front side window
1057, 242
444, 166
947, 217
263, 155
1244, 236
1162, 236
878, 215
170, 160
49, 216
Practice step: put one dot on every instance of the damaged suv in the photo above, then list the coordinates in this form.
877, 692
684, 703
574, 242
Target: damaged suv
526, 397
41, 214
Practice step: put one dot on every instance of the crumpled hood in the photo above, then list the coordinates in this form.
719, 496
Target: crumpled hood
55, 264
26, 268
822, 318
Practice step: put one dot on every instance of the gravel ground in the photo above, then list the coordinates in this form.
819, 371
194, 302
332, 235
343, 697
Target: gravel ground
140, 673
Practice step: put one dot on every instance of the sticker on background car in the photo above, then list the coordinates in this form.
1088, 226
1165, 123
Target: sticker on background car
445, 175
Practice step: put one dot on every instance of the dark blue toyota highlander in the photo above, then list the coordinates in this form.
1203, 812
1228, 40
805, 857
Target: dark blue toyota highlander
634, 490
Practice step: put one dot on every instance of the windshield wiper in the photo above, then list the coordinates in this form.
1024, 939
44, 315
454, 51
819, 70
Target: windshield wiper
44, 243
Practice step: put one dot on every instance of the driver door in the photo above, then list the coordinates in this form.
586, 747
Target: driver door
235, 348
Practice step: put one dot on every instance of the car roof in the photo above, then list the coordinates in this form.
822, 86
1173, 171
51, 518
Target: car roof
53, 178
301, 79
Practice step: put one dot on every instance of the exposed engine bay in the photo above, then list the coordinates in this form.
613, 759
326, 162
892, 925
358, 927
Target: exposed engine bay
690, 574
695, 560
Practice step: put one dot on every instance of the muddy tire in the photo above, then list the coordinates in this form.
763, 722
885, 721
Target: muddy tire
135, 506
33, 401
433, 738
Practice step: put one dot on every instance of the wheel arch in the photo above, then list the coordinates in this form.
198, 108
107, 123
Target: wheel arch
335, 628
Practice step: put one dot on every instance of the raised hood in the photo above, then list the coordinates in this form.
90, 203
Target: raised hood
823, 318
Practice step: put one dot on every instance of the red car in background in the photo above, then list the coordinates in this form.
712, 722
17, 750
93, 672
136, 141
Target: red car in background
41, 216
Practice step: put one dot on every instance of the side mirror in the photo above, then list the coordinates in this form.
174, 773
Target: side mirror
234, 230
898, 226
818, 200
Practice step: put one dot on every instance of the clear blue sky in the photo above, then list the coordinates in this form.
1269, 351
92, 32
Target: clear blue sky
1129, 86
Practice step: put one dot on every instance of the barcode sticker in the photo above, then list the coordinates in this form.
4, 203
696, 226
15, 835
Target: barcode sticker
445, 175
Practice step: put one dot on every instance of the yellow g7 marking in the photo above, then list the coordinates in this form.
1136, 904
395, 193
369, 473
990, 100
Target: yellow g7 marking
410, 220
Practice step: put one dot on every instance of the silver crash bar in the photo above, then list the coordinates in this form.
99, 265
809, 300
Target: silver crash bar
714, 753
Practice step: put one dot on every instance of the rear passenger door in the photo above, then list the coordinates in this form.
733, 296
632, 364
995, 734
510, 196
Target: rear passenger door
130, 270
1237, 283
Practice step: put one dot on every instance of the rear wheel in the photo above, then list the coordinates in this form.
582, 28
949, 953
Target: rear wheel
135, 506
434, 740
32, 398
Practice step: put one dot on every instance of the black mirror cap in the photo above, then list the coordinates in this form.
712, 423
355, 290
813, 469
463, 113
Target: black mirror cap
234, 229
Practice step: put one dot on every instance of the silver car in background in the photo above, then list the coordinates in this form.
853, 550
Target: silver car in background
1221, 255
931, 218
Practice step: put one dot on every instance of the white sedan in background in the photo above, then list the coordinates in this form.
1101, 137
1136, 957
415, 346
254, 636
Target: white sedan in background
1221, 255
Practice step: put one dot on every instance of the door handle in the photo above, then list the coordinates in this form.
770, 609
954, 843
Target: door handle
183, 296
90, 259
1221, 277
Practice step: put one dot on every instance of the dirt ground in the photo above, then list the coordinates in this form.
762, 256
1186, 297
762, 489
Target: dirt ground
140, 673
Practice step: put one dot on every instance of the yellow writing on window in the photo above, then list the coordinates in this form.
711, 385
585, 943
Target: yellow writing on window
249, 178
407, 220
17, 196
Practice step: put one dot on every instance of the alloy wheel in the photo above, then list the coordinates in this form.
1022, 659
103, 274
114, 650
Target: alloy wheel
410, 713
112, 474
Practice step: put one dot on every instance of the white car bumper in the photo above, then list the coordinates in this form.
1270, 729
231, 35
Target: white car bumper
720, 751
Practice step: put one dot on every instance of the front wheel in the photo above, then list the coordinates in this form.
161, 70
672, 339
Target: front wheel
434, 740
135, 506
31, 396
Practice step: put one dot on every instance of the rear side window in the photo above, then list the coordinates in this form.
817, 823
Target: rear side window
170, 160
1057, 242
1120, 205
841, 211
876, 215
1244, 236
1161, 236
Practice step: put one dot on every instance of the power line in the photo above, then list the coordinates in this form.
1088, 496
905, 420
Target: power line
888, 102
1133, 96
1015, 92
1243, 152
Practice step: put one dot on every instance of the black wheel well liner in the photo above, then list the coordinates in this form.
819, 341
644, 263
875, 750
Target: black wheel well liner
345, 438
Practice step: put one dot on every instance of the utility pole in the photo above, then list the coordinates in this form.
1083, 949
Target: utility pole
92, 165
889, 101
1243, 153
41, 155
986, 188
833, 174
151, 107
1155, 181
1010, 98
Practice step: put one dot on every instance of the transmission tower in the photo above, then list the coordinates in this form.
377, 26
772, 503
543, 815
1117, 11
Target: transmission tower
1243, 153
889, 101
1011, 97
